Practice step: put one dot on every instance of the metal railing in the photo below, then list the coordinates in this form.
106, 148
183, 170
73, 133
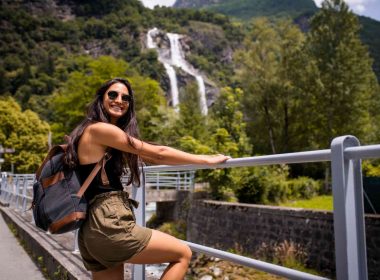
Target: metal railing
17, 189
350, 247
179, 180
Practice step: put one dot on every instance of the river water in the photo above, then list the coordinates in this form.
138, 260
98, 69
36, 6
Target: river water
155, 270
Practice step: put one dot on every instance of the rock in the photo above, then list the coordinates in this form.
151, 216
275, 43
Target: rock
217, 271
206, 277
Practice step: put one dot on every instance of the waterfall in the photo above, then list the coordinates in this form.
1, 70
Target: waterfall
173, 85
202, 94
169, 69
177, 59
149, 42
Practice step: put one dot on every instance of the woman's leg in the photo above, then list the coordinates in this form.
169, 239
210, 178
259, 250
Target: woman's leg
165, 248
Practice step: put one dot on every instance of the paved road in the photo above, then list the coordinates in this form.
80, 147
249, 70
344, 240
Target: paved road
15, 264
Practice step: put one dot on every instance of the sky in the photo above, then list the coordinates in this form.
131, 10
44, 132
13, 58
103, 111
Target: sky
151, 3
369, 8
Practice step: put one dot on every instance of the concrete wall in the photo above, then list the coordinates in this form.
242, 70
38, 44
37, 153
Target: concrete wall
247, 227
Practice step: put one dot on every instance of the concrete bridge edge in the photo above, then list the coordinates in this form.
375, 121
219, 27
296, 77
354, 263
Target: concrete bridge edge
52, 258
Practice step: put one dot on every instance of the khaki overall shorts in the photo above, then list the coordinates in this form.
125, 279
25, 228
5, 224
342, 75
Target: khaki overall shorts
110, 236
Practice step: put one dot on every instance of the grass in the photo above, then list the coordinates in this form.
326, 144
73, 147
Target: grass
322, 202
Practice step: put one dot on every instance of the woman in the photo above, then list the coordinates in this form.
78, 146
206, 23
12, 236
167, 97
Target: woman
109, 237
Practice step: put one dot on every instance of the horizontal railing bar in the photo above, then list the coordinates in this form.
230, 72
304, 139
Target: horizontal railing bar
362, 152
300, 157
264, 266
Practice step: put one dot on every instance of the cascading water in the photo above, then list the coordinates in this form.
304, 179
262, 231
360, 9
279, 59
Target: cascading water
173, 84
169, 69
177, 59
202, 94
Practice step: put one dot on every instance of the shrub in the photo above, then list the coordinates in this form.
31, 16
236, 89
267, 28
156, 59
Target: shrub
371, 168
302, 187
271, 185
262, 184
176, 229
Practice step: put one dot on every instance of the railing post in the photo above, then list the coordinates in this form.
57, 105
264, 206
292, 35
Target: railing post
192, 184
18, 187
24, 194
76, 245
4, 182
157, 180
138, 193
349, 227
177, 187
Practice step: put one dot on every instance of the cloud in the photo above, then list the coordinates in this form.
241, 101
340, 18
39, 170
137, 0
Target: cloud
358, 6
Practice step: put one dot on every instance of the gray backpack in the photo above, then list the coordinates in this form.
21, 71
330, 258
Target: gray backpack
58, 202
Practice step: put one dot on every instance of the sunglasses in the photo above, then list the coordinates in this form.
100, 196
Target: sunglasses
112, 95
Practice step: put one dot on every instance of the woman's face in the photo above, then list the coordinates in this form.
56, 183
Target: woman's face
115, 101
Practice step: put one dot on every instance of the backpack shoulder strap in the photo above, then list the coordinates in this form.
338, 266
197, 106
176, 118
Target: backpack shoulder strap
100, 165
53, 151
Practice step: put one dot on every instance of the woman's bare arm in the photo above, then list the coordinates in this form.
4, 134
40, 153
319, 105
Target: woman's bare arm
109, 135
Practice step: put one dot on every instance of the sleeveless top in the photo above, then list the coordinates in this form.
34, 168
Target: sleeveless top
96, 187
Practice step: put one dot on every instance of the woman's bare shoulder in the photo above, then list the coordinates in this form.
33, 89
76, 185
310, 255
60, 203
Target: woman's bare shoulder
102, 128
106, 134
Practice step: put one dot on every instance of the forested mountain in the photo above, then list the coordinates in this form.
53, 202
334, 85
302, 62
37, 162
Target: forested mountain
299, 10
269, 75
246, 9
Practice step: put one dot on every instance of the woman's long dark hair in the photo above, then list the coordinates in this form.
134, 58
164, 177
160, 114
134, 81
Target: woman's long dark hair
128, 123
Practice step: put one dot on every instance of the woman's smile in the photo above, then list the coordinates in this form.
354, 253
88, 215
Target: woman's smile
113, 101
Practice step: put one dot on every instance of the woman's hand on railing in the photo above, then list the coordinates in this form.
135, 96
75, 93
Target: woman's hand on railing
215, 159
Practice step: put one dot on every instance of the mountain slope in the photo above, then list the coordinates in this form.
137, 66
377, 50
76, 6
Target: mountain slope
300, 10
246, 9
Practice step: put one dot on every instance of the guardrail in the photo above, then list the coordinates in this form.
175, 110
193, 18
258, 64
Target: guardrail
17, 189
179, 179
350, 247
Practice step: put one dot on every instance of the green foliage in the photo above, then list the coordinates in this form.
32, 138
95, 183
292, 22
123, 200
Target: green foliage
262, 185
24, 132
322, 202
246, 9
191, 121
302, 187
227, 137
348, 84
73, 96
369, 35
268, 185
371, 168
271, 70
176, 229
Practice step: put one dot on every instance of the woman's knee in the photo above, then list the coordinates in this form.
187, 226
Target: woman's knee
187, 253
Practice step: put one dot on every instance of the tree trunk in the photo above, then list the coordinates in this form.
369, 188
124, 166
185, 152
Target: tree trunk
270, 129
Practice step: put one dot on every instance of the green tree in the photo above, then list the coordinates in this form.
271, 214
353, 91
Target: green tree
191, 122
26, 133
227, 137
70, 101
348, 84
228, 126
270, 77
